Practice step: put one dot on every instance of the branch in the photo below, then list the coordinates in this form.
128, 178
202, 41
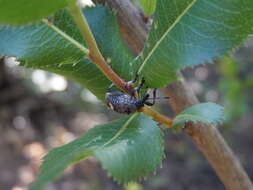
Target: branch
157, 116
94, 54
130, 29
208, 139
97, 58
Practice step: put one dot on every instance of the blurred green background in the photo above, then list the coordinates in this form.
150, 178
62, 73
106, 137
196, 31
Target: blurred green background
40, 111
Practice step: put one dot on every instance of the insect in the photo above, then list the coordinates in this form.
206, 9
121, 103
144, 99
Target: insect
127, 104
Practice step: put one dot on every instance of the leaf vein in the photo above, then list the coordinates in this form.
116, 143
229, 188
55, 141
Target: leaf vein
165, 34
123, 128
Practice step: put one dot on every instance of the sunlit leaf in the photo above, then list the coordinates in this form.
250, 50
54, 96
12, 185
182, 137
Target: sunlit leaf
148, 6
40, 47
129, 148
25, 11
191, 32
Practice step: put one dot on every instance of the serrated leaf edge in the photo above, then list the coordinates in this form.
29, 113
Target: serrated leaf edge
218, 120
161, 157
165, 34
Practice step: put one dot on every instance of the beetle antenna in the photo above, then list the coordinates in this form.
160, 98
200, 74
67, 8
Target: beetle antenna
159, 98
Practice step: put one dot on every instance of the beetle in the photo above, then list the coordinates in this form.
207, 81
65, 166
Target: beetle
124, 103
127, 104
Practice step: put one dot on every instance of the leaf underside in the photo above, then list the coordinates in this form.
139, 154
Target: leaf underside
38, 46
128, 148
184, 33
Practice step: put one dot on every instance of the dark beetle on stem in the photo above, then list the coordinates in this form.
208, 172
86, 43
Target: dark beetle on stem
124, 103
127, 104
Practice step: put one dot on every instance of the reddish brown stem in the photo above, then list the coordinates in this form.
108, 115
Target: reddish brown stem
97, 58
157, 116
94, 52
135, 33
111, 75
208, 139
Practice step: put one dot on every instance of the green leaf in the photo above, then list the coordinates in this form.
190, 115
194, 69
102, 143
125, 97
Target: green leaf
206, 113
191, 32
148, 6
25, 11
107, 36
128, 149
38, 46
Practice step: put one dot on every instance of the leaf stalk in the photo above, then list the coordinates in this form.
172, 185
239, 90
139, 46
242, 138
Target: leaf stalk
157, 116
97, 58
95, 54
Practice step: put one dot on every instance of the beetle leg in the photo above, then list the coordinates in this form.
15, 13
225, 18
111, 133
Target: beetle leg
110, 87
131, 82
130, 85
149, 103
136, 78
154, 97
140, 86
144, 100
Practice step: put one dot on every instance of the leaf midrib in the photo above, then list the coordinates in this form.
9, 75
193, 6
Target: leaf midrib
66, 37
165, 34
123, 128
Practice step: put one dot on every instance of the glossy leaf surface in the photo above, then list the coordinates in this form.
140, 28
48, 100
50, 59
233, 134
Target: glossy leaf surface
40, 47
128, 149
191, 32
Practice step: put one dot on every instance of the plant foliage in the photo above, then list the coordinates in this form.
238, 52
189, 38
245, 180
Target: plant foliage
148, 6
191, 32
206, 113
26, 11
39, 46
184, 33
128, 148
